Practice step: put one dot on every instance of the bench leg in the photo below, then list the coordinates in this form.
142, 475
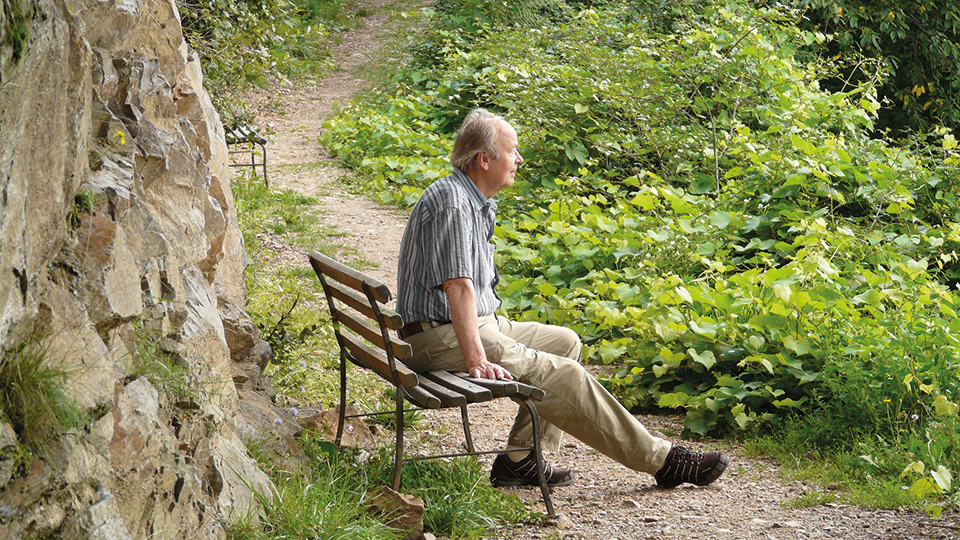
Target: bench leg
263, 147
343, 400
398, 455
535, 418
466, 428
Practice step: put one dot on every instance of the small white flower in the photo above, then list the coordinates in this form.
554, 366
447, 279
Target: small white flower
914, 417
303, 388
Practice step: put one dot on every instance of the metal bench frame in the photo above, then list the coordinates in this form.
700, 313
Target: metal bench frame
363, 329
247, 135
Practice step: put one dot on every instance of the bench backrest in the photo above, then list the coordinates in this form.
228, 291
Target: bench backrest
361, 322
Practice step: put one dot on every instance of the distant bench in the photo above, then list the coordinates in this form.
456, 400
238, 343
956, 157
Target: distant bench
363, 328
247, 135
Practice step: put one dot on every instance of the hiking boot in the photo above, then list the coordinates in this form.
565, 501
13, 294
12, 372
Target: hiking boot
686, 465
524, 473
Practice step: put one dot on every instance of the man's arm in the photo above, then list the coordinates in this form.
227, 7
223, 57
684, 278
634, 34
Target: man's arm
463, 315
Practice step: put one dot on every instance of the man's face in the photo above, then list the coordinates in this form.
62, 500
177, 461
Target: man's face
503, 170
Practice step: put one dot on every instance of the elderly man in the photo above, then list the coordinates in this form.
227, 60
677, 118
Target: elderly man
446, 291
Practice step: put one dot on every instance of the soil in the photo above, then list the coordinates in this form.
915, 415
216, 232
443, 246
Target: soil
607, 501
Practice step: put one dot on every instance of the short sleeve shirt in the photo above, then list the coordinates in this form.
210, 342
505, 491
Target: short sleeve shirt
447, 236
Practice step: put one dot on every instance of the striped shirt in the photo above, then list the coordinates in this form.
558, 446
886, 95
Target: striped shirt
447, 236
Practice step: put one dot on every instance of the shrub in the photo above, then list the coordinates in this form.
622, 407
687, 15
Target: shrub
918, 43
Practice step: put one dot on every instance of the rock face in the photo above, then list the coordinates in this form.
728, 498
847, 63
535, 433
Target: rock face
117, 222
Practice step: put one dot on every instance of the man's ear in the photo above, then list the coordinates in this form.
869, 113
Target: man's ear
483, 160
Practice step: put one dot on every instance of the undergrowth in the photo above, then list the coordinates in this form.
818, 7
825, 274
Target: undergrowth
459, 501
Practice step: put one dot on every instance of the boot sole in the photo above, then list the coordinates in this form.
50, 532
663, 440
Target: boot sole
520, 482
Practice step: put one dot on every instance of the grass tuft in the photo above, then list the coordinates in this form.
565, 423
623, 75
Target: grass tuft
459, 500
862, 471
161, 368
32, 396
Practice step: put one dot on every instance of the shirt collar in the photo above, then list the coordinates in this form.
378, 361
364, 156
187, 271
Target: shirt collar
475, 195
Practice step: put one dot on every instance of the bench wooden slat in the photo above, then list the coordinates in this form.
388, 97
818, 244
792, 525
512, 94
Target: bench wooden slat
376, 360
473, 392
401, 349
241, 134
448, 398
360, 303
421, 398
348, 276
532, 392
505, 388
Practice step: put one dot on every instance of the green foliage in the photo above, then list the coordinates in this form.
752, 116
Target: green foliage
233, 38
336, 15
329, 501
83, 203
864, 474
32, 396
473, 15
459, 501
15, 33
760, 182
702, 212
458, 498
261, 209
918, 42
283, 302
401, 156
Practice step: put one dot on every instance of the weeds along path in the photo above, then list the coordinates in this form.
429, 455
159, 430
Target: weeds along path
607, 501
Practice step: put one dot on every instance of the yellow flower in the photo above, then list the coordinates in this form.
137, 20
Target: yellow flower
886, 400
120, 138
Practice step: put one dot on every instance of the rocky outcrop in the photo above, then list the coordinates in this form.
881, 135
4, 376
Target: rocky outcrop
117, 222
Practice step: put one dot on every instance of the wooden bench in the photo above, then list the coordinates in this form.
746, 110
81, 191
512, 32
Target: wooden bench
248, 136
364, 328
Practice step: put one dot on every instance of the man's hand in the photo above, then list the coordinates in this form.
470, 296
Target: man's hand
488, 370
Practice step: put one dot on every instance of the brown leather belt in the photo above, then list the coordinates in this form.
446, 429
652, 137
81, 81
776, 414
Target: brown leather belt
415, 328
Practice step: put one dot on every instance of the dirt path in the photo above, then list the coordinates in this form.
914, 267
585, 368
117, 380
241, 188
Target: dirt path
607, 501
296, 161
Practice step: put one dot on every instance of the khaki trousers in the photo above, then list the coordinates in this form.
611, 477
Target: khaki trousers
548, 357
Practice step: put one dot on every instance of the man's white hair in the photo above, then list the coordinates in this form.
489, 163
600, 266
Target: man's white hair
481, 131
